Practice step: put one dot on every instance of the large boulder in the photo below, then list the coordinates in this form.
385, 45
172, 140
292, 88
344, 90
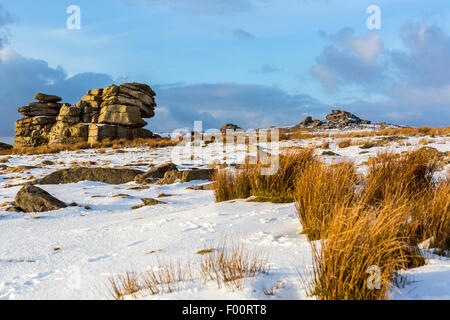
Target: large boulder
131, 94
197, 174
156, 173
33, 131
171, 177
65, 133
42, 97
38, 109
128, 116
308, 121
105, 175
69, 114
33, 199
100, 132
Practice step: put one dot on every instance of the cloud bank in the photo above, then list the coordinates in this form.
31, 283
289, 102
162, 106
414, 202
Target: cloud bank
22, 78
413, 80
249, 106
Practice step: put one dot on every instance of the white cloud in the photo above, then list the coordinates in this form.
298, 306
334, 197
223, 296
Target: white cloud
368, 48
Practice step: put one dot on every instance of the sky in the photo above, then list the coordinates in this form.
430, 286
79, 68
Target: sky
255, 63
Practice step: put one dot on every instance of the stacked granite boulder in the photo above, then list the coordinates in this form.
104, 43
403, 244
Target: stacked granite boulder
115, 112
121, 112
33, 130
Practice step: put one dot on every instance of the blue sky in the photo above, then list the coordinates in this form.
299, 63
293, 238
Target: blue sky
252, 62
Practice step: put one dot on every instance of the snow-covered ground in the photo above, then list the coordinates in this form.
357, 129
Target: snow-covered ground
70, 253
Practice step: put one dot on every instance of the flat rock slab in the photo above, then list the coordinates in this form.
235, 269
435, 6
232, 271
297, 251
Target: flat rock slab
208, 186
171, 177
33, 199
47, 97
105, 175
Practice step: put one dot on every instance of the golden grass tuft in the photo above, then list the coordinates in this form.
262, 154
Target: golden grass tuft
359, 241
405, 132
229, 266
319, 189
436, 223
392, 176
249, 181
375, 226
229, 185
124, 285
116, 144
344, 143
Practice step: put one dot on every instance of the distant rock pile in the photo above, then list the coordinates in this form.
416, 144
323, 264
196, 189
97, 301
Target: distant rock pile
115, 112
338, 119
228, 127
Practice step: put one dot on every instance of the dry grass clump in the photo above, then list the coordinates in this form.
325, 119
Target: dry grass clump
124, 285
325, 145
229, 267
164, 279
432, 222
229, 185
396, 207
282, 183
122, 143
406, 132
360, 254
249, 181
392, 176
344, 143
302, 134
319, 189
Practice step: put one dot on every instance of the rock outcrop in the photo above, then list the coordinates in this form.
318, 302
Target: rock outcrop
156, 173
105, 175
33, 199
338, 119
115, 112
229, 126
171, 177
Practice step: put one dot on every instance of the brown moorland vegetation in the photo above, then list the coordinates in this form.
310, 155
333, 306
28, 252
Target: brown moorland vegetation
227, 265
249, 181
115, 144
375, 226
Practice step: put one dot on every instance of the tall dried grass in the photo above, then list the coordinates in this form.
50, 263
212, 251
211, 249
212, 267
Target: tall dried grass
242, 183
405, 132
229, 185
229, 266
301, 134
359, 239
282, 183
319, 189
392, 176
115, 144
123, 285
396, 207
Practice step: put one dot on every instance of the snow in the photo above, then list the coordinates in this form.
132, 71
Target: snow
70, 253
